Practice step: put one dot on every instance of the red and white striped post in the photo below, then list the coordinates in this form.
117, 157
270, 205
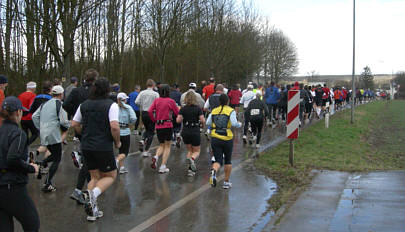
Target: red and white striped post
293, 120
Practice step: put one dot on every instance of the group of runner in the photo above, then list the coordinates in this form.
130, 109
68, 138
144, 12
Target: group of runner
102, 118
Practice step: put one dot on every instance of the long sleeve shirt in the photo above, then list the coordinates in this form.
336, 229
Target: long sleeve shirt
126, 116
48, 122
162, 109
146, 98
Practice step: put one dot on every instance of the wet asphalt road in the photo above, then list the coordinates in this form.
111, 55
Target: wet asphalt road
143, 200
340, 202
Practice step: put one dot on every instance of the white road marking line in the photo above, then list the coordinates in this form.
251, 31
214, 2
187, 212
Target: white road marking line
157, 217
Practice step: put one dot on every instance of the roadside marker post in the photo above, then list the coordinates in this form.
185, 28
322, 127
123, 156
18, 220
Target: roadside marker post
327, 115
293, 120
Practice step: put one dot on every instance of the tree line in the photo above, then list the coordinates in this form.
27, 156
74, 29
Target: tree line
129, 41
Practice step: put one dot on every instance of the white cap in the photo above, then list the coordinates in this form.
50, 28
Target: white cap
250, 86
192, 85
31, 85
57, 89
122, 96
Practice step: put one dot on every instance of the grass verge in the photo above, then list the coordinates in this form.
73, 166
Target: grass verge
376, 141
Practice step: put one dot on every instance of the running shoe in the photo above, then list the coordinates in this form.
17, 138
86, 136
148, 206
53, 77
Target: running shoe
163, 169
76, 159
244, 139
141, 145
190, 172
213, 179
32, 159
153, 164
96, 215
77, 196
226, 185
178, 140
76, 139
145, 154
123, 170
212, 159
254, 138
47, 188
65, 142
257, 145
191, 164
89, 202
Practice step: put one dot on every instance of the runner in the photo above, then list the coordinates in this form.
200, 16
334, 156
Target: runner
200, 101
245, 100
272, 97
191, 115
27, 98
131, 101
126, 116
3, 85
160, 112
175, 94
213, 101
234, 98
97, 120
283, 102
50, 119
256, 113
144, 101
38, 101
73, 85
72, 103
208, 90
221, 120
15, 201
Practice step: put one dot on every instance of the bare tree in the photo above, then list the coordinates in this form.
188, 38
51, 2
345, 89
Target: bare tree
282, 56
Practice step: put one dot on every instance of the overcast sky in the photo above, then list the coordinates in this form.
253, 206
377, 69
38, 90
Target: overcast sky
322, 33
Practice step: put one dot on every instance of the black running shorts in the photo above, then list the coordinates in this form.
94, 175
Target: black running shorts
222, 150
100, 160
193, 138
164, 134
125, 143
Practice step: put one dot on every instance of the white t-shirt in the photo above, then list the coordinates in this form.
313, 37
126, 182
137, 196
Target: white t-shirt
113, 113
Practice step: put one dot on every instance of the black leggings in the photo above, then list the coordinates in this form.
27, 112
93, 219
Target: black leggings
149, 129
55, 157
138, 118
83, 175
29, 125
16, 203
257, 125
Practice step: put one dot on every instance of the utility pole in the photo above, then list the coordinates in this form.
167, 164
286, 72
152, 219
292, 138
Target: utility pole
353, 69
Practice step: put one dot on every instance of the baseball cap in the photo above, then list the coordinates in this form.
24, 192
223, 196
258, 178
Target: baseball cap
192, 85
31, 85
122, 96
57, 89
212, 79
73, 79
3, 79
12, 104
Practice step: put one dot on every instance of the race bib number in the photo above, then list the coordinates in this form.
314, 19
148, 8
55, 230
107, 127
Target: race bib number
254, 112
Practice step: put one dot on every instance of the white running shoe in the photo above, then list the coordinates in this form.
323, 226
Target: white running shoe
191, 164
163, 169
226, 185
145, 154
96, 214
123, 170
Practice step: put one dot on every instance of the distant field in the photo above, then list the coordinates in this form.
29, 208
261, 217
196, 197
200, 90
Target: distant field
375, 142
